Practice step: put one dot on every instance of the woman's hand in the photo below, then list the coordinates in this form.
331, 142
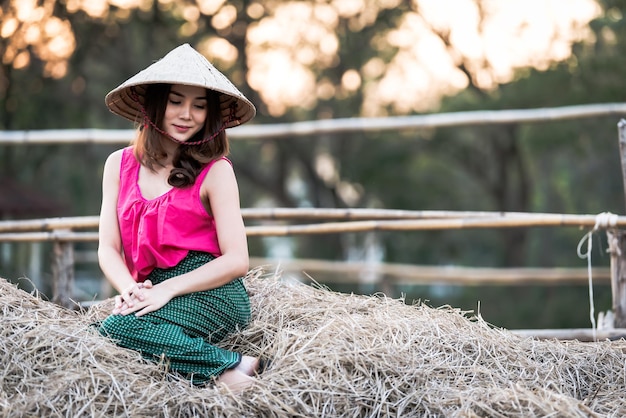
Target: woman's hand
148, 299
130, 296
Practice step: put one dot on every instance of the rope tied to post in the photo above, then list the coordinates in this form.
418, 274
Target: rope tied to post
604, 220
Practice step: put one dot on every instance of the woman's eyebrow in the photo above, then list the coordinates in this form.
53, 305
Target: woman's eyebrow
182, 95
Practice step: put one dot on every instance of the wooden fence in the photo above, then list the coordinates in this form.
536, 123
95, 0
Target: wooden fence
64, 232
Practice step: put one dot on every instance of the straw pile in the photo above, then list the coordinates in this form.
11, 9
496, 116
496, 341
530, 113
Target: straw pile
334, 355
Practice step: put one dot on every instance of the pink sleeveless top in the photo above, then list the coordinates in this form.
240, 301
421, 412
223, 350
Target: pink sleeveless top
161, 231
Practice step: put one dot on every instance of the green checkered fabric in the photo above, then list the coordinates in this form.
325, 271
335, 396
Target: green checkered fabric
186, 329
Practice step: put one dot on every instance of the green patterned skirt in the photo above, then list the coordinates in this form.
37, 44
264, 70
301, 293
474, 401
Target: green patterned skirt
186, 329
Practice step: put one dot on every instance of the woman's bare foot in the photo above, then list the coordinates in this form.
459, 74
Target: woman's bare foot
235, 380
248, 365
239, 378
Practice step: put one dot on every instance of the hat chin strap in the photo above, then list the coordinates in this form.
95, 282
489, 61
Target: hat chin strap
148, 122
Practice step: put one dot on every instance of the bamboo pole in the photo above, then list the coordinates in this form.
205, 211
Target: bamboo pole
57, 235
621, 134
349, 271
429, 121
50, 224
425, 224
330, 126
281, 214
68, 136
385, 214
617, 246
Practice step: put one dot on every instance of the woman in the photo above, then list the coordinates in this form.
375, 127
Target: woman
172, 239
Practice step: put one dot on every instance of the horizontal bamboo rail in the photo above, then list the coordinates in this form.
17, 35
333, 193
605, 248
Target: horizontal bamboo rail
397, 214
50, 224
346, 271
59, 229
330, 126
56, 236
427, 224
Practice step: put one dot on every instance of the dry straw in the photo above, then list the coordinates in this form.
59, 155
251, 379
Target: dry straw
335, 355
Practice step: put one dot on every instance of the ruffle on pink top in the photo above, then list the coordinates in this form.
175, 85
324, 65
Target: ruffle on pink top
160, 232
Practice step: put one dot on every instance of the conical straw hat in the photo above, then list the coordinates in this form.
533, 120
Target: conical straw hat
182, 65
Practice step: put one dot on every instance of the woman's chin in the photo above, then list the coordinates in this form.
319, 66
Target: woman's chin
178, 137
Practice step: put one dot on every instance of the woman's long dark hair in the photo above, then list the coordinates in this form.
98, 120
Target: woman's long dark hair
189, 159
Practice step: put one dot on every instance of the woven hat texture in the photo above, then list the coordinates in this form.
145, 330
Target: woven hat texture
182, 65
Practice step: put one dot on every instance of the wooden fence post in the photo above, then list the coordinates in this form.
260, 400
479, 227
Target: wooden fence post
63, 273
617, 246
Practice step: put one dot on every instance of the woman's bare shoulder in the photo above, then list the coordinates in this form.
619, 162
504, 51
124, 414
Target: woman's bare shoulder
221, 169
116, 155
113, 161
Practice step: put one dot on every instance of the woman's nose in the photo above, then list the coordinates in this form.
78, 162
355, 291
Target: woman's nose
185, 111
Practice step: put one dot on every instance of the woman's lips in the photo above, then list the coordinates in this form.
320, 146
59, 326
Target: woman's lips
181, 129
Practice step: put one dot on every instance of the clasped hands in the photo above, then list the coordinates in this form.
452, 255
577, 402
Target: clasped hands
140, 298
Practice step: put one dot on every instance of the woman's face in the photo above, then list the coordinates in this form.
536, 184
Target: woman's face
186, 111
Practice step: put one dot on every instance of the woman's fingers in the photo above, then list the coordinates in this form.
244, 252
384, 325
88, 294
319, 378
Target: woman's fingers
130, 296
134, 292
140, 298
118, 302
119, 308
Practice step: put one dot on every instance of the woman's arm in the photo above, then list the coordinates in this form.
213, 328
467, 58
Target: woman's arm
221, 190
109, 241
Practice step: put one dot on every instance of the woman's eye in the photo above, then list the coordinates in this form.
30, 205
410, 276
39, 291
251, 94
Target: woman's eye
176, 102
200, 106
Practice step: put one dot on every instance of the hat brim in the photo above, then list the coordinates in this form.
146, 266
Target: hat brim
183, 65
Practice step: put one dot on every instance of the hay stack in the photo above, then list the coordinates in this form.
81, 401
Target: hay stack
334, 355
